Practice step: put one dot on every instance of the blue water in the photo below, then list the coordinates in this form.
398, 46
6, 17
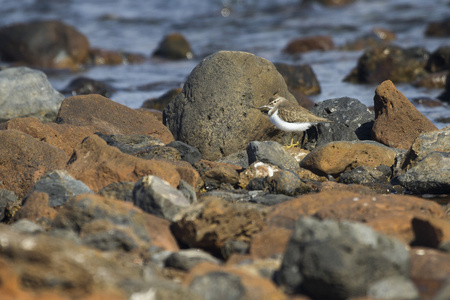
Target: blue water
262, 27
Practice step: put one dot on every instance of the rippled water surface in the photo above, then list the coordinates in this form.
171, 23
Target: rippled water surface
262, 27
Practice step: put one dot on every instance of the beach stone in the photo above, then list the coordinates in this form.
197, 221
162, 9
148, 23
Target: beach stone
222, 119
444, 292
174, 46
108, 117
187, 152
238, 158
337, 157
211, 281
139, 145
44, 44
431, 81
299, 78
430, 176
430, 271
279, 238
430, 232
37, 209
98, 56
389, 62
66, 137
24, 160
302, 45
105, 236
257, 169
86, 86
352, 121
438, 29
426, 143
272, 153
222, 174
397, 122
211, 223
396, 287
377, 36
439, 60
94, 157
8, 200
323, 257
59, 186
161, 102
118, 190
186, 259
365, 175
287, 183
158, 197
26, 92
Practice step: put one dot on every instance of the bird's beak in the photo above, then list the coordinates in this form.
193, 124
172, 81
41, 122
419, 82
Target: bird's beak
264, 108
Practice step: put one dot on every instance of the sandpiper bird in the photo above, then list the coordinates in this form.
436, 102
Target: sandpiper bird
290, 117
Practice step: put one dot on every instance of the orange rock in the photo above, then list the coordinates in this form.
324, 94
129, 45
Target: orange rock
24, 160
337, 157
430, 232
397, 122
108, 117
256, 287
64, 136
270, 242
97, 165
36, 209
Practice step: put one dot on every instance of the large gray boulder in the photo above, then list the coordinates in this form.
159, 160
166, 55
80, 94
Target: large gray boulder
217, 111
26, 92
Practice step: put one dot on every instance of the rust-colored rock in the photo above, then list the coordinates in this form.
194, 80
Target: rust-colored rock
389, 214
108, 117
97, 165
309, 44
45, 44
337, 157
36, 209
159, 232
24, 160
397, 122
430, 232
270, 242
64, 136
256, 287
210, 224
430, 269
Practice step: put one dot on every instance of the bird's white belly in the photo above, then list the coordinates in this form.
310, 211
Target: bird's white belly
286, 126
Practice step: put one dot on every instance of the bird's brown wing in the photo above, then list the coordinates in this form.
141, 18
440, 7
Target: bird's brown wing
298, 114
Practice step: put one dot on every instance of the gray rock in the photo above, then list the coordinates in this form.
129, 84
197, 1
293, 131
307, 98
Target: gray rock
444, 292
230, 196
286, 183
7, 200
271, 152
27, 226
189, 258
26, 92
239, 158
118, 190
60, 186
271, 199
339, 260
393, 288
188, 191
218, 286
364, 175
425, 144
217, 110
187, 152
352, 122
430, 176
131, 144
234, 246
155, 196
110, 240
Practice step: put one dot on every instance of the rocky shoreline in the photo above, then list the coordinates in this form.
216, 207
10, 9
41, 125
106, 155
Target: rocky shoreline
202, 201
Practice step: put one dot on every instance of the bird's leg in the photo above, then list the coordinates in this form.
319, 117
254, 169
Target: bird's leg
292, 142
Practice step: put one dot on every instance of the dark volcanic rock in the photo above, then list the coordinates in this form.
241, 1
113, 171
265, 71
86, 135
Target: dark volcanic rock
389, 62
272, 153
287, 183
86, 86
8, 200
25, 92
323, 257
307, 44
59, 186
220, 119
218, 285
439, 29
439, 60
118, 190
174, 46
352, 121
430, 176
300, 79
397, 122
161, 102
45, 44
187, 152
364, 174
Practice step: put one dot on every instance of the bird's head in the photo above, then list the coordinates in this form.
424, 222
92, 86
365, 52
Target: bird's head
274, 102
